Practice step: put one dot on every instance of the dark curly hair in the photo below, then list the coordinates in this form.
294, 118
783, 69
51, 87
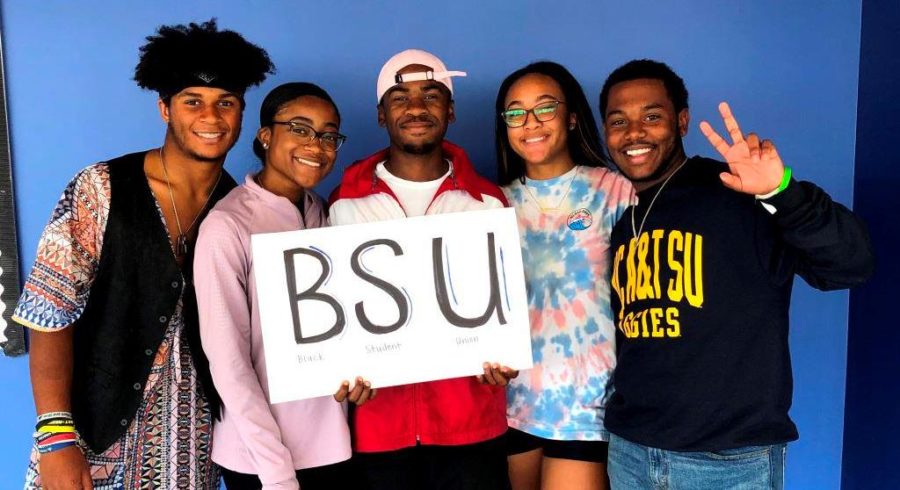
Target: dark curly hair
201, 55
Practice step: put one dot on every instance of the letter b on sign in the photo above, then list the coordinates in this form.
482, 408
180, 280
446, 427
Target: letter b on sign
311, 294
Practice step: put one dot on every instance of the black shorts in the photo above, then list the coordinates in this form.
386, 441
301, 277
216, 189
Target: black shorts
479, 466
518, 442
327, 477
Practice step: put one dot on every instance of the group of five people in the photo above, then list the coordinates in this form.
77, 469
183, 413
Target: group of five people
674, 273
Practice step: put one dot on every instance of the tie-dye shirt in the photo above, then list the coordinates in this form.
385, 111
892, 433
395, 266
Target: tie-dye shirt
565, 223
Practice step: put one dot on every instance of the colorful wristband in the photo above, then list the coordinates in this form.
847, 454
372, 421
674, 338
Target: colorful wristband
55, 447
54, 438
785, 179
56, 429
47, 443
54, 415
53, 423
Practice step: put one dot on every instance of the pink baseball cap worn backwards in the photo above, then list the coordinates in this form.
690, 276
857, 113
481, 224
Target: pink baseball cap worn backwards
389, 76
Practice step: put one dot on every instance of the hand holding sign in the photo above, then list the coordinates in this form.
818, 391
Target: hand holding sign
361, 392
497, 375
754, 167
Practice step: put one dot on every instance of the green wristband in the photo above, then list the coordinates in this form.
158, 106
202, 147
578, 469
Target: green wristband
785, 179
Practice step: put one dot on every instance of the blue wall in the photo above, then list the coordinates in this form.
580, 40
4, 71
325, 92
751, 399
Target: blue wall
872, 427
789, 70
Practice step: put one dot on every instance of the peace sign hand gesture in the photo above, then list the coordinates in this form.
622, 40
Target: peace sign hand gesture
754, 167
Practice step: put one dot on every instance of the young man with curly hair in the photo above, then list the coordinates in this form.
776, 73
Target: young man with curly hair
121, 386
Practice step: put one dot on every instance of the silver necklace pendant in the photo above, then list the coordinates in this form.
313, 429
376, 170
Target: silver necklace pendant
181, 245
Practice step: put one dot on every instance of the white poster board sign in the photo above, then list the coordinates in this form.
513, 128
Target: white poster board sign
396, 302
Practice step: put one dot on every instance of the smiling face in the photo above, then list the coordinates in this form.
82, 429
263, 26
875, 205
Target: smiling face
643, 132
293, 165
543, 146
416, 114
203, 122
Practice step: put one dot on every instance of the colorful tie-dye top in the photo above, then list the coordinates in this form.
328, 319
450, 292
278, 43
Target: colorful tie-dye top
565, 223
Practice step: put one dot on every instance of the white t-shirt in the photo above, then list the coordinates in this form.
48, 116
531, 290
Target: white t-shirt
414, 197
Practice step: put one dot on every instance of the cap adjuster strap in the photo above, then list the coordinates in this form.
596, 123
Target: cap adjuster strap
426, 75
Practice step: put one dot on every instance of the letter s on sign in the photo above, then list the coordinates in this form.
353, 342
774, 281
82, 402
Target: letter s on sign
390, 289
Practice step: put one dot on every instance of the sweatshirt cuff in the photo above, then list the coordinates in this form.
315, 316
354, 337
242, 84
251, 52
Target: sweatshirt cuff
791, 197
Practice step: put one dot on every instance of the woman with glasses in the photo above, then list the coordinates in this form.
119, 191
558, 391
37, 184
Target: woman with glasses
259, 445
567, 200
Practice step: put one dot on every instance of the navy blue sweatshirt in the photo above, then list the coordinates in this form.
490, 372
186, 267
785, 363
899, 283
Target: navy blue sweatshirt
701, 301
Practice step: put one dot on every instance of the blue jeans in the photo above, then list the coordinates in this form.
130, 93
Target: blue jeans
634, 467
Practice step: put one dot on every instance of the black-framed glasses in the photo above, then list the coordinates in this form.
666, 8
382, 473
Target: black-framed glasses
543, 112
328, 140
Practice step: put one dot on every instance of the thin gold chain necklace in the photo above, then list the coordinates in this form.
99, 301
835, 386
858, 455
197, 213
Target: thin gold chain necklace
538, 204
636, 232
181, 245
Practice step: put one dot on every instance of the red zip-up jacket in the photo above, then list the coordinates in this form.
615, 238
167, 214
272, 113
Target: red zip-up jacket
447, 412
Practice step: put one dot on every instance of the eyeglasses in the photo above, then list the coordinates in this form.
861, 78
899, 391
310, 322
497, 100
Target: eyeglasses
516, 118
328, 140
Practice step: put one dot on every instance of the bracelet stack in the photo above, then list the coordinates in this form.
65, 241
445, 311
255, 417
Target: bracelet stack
54, 431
